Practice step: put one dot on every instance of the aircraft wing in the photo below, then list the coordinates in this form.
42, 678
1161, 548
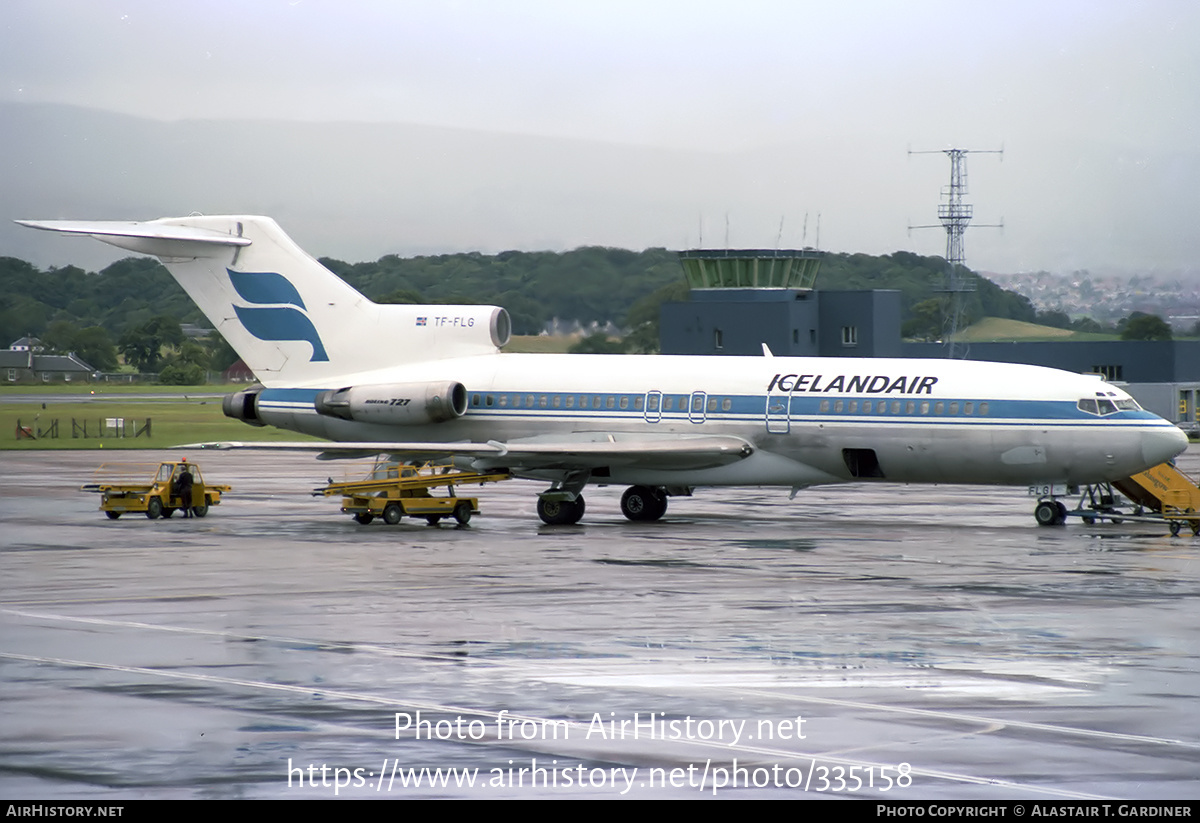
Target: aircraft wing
569, 452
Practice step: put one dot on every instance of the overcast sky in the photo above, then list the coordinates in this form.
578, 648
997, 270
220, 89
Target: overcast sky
1097, 104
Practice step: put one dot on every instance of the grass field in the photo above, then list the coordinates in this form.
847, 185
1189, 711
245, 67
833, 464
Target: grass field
171, 423
105, 389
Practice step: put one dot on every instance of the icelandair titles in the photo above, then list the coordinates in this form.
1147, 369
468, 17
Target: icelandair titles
870, 384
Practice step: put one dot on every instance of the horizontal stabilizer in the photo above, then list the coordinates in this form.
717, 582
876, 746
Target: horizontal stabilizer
153, 237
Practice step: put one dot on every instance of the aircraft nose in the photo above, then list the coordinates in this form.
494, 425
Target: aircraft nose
1162, 443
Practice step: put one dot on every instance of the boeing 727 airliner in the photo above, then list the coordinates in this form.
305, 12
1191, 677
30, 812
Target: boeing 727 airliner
420, 382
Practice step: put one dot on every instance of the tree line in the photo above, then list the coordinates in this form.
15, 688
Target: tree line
132, 309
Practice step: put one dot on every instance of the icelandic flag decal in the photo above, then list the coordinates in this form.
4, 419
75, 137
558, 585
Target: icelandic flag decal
421, 321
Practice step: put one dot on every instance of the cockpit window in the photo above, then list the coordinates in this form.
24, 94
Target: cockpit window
1102, 406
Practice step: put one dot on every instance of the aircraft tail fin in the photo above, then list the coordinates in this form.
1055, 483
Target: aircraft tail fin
290, 319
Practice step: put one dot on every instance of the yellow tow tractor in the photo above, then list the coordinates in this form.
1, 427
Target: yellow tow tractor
156, 490
393, 491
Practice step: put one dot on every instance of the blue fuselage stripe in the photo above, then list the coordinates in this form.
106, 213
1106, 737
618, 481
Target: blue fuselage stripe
529, 405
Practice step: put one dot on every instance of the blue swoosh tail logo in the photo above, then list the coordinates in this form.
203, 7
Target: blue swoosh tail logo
265, 287
276, 322
281, 323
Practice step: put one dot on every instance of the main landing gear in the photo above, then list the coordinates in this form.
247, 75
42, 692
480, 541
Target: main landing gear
643, 503
639, 503
560, 512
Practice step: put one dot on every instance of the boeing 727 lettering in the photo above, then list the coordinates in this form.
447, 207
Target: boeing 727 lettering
421, 382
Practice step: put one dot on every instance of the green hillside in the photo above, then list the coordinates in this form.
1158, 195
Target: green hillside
1001, 329
587, 284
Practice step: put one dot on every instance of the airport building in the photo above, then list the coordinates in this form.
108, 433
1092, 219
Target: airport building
741, 299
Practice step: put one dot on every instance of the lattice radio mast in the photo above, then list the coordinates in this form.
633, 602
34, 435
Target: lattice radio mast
955, 215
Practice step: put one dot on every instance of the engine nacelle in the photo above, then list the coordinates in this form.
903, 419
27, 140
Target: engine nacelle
397, 404
242, 406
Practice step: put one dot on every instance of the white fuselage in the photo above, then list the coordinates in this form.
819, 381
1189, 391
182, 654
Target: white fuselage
810, 420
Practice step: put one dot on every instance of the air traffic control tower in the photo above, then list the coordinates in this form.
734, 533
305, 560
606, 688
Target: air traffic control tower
743, 298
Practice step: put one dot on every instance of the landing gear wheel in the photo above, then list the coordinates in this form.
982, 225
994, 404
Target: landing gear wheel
1047, 514
1175, 527
1062, 514
201, 510
462, 513
363, 518
154, 508
560, 512
643, 503
392, 514
112, 515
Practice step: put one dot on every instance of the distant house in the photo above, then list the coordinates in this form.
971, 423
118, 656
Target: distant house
239, 372
27, 344
23, 362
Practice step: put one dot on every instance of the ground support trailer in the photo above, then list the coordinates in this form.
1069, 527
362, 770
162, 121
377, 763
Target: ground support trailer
393, 491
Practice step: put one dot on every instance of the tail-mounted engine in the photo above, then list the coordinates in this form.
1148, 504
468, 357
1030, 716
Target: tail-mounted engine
243, 406
401, 404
